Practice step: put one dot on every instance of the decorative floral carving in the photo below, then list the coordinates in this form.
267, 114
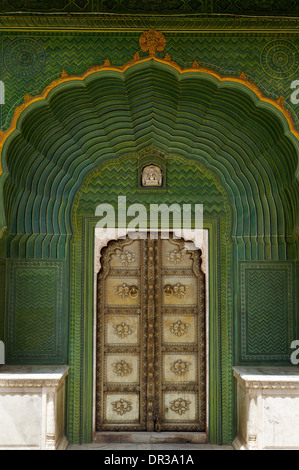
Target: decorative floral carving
180, 367
24, 57
175, 256
180, 406
122, 406
125, 291
179, 290
123, 330
152, 41
126, 258
279, 60
179, 328
122, 368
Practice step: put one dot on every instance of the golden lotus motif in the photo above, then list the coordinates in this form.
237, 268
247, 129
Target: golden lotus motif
179, 290
122, 406
175, 256
179, 328
123, 330
122, 368
180, 406
126, 258
180, 367
152, 41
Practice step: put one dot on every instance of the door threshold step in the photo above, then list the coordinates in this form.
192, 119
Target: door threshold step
151, 437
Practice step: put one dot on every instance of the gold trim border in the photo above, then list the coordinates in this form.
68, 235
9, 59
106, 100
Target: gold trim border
107, 67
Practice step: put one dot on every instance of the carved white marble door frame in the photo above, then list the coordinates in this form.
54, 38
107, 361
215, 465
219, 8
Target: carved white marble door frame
199, 239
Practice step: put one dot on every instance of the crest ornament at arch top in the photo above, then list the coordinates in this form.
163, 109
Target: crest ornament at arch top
152, 41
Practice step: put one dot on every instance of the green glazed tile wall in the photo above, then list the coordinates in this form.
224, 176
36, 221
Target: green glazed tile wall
30, 61
35, 329
268, 324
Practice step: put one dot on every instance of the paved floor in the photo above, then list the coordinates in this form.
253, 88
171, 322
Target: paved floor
128, 447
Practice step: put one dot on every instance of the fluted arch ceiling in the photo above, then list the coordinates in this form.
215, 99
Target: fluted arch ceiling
225, 124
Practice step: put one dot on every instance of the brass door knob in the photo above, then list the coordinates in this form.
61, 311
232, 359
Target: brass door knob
133, 292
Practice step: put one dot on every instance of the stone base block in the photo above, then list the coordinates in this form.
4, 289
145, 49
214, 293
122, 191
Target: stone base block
32, 407
268, 408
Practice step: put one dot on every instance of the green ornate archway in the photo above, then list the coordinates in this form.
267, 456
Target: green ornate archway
249, 140
77, 144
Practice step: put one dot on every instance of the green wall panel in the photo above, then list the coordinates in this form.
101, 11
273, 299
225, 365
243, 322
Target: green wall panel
268, 316
35, 331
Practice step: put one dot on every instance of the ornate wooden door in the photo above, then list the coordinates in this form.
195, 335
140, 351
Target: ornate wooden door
151, 339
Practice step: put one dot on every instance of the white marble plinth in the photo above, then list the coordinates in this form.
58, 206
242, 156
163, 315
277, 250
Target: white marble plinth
268, 408
32, 407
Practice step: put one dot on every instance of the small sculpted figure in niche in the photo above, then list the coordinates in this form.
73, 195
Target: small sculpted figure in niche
151, 176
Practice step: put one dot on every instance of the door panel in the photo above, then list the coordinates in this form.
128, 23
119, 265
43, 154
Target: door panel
180, 368
151, 338
179, 329
124, 370
121, 347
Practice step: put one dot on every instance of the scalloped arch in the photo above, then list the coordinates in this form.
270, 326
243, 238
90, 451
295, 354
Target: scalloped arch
247, 140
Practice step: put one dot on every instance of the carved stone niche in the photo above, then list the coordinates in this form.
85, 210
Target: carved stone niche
152, 176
